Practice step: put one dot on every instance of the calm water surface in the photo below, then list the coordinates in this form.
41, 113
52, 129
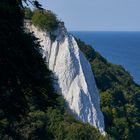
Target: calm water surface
121, 48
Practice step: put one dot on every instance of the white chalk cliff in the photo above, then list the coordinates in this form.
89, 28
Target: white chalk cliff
74, 74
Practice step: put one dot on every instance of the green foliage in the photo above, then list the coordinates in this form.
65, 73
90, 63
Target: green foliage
34, 126
65, 127
28, 13
45, 20
25, 79
88, 51
120, 96
29, 108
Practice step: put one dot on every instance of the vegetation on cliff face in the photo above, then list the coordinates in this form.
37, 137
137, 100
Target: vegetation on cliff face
28, 13
120, 96
29, 108
45, 20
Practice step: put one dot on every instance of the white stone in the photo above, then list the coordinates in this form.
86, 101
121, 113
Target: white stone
74, 74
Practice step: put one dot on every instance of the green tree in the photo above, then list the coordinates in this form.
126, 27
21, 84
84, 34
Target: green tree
25, 78
120, 96
29, 108
45, 20
28, 13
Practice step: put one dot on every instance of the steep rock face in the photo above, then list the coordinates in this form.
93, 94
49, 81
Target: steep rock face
74, 74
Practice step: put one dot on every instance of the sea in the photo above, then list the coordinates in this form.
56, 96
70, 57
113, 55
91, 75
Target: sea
122, 48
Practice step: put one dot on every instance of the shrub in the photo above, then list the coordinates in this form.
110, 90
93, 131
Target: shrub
28, 13
119, 95
45, 20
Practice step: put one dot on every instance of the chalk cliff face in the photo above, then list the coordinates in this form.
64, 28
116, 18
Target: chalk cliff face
75, 78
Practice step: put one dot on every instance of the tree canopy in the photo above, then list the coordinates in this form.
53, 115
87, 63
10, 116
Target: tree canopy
29, 107
45, 20
120, 96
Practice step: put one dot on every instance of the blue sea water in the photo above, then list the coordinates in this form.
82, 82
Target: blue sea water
121, 48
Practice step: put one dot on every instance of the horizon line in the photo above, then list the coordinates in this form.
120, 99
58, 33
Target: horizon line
103, 31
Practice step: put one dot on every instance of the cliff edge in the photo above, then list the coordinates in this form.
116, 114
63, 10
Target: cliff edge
75, 79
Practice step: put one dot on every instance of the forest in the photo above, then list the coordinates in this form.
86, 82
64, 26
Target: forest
30, 109
120, 96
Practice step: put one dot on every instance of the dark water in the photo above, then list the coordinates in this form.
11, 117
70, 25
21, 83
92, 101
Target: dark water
121, 48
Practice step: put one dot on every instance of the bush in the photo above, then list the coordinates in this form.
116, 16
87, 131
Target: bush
45, 20
119, 95
28, 13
